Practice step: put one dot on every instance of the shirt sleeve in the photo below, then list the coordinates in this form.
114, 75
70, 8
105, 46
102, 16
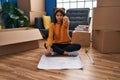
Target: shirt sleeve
50, 36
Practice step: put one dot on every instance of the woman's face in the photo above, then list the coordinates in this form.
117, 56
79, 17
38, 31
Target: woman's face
59, 17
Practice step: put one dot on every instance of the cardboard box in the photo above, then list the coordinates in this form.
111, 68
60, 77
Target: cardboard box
31, 5
106, 18
108, 3
82, 38
106, 41
18, 39
33, 14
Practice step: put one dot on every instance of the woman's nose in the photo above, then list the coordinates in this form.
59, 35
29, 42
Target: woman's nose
59, 16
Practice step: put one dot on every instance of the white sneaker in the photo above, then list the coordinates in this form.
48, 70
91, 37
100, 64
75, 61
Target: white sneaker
74, 53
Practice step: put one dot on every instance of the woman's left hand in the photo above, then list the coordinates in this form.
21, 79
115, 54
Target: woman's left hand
49, 49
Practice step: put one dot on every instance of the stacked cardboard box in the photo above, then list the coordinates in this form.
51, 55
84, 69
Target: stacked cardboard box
81, 37
108, 3
106, 41
106, 26
18, 39
32, 8
106, 18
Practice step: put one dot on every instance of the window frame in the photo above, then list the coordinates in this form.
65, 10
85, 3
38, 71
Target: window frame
62, 2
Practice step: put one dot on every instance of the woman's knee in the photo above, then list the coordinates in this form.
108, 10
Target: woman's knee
78, 46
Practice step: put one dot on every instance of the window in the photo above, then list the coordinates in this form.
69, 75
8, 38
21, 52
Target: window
77, 4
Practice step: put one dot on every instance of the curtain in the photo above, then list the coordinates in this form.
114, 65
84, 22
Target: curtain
49, 6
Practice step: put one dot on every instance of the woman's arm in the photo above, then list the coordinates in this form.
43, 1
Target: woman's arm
66, 21
50, 36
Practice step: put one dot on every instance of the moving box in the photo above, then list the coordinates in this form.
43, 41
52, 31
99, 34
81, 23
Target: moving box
106, 18
81, 37
18, 39
106, 41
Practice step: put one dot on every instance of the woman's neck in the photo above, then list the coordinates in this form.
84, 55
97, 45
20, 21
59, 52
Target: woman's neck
59, 22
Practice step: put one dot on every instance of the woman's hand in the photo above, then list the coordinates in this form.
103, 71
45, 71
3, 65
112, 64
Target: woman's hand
65, 19
49, 49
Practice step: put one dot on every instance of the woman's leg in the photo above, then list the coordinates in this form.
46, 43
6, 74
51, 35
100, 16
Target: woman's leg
61, 48
72, 47
58, 48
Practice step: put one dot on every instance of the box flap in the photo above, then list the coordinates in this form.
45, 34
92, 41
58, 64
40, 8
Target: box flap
19, 35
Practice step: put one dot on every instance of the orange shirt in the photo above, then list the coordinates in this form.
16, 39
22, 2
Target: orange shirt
58, 33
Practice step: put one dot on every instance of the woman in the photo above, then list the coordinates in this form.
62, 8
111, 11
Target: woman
59, 41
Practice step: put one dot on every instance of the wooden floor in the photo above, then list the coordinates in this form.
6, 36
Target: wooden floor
22, 66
